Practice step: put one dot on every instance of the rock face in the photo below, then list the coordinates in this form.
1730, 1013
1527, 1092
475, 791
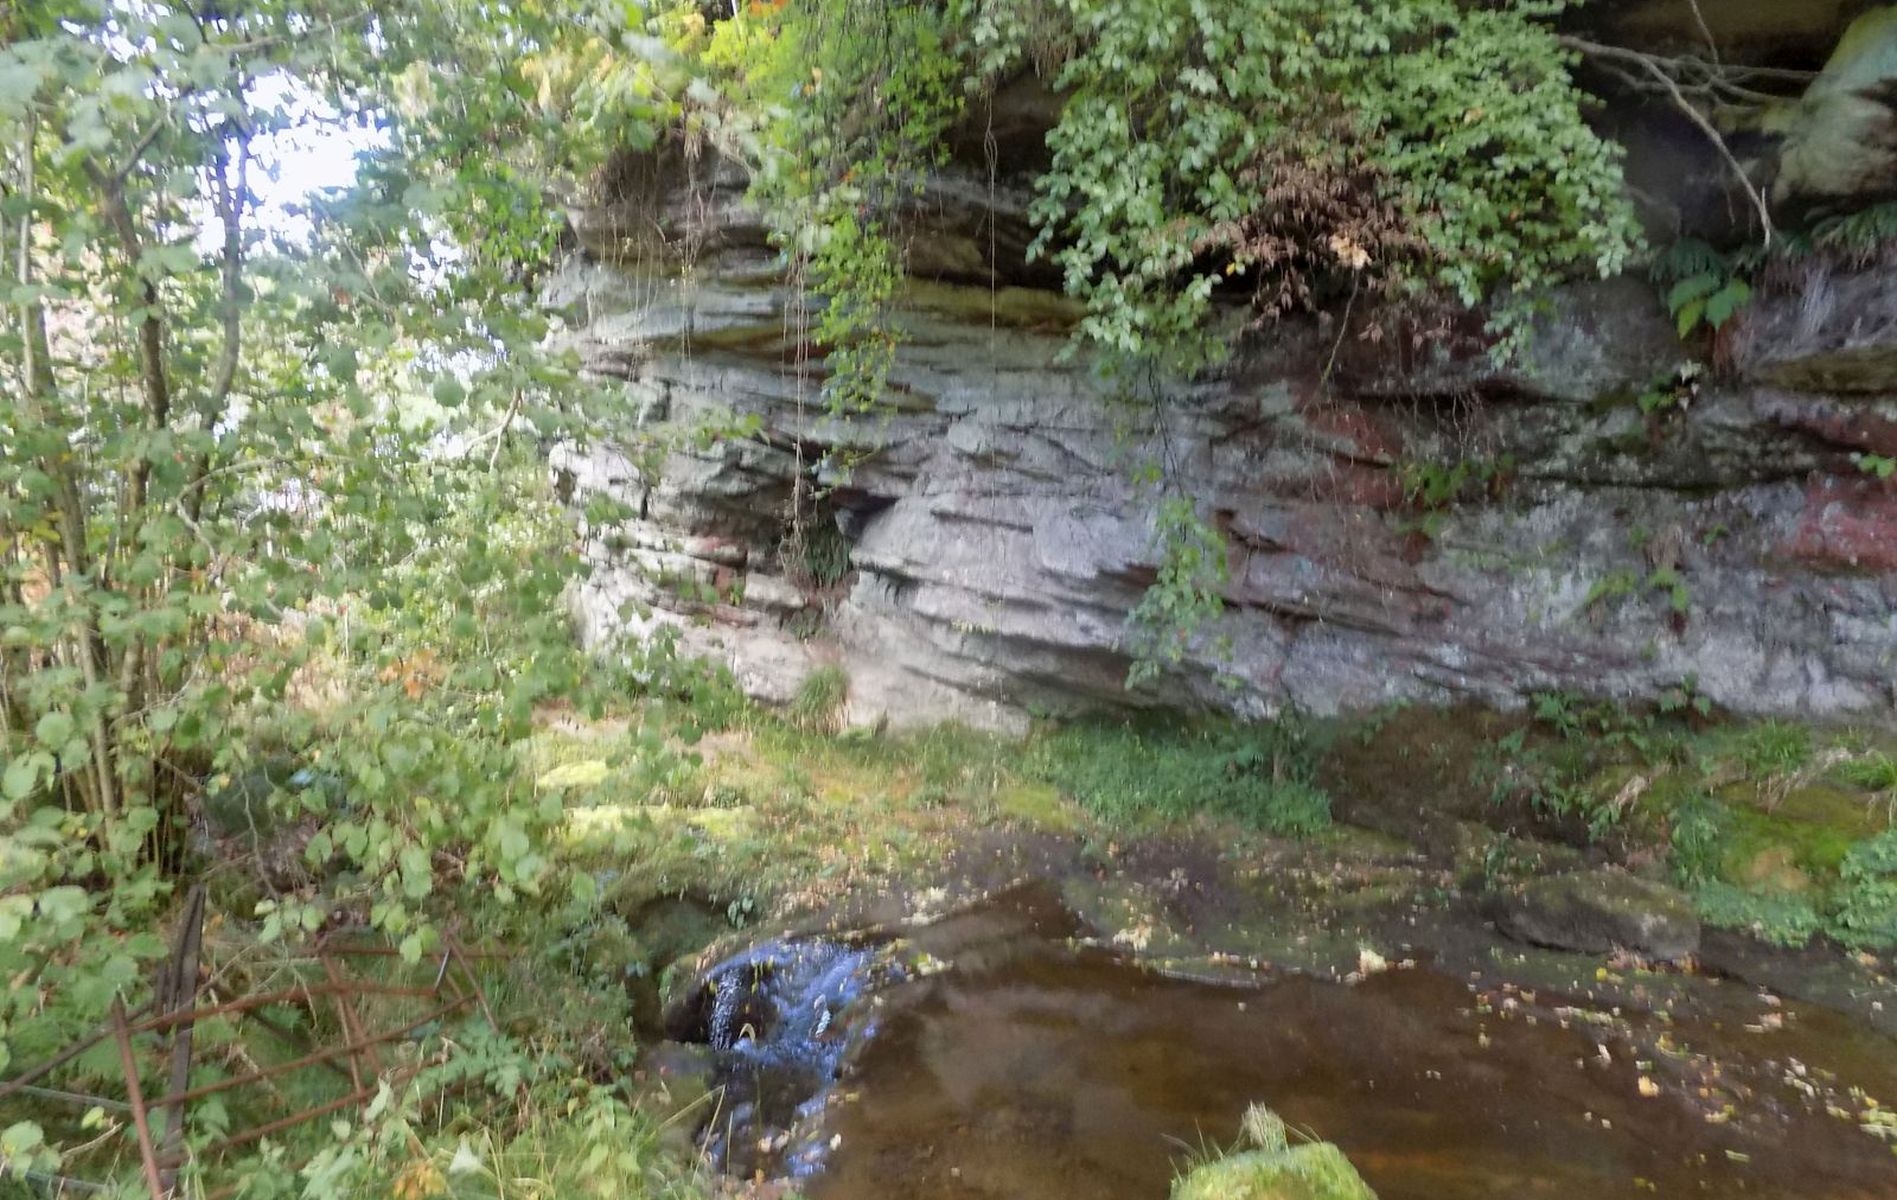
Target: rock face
1598, 911
1399, 526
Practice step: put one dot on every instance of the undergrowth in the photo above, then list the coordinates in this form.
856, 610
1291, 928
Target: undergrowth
1262, 775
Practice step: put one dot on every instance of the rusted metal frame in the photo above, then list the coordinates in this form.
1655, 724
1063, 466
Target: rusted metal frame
474, 982
295, 1042
285, 996
19, 1082
309, 1114
184, 990
129, 1063
308, 1060
346, 1017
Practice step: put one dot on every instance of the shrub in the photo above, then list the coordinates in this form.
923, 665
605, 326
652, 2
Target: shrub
1781, 920
1865, 904
818, 704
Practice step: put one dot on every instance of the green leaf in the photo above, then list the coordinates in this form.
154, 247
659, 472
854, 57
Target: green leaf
418, 876
1693, 287
14, 912
19, 1141
585, 887
1689, 315
21, 776
1727, 300
66, 903
54, 730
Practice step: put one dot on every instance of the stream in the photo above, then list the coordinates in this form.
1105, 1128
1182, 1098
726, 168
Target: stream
988, 1055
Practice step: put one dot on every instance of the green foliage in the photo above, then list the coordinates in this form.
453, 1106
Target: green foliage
1614, 585
1878, 466
1672, 392
1696, 835
1774, 749
1170, 103
1435, 486
822, 552
1185, 598
854, 98
1859, 238
818, 705
1866, 897
1780, 920
1704, 286
1874, 771
274, 495
1684, 699
1707, 299
1262, 775
1561, 765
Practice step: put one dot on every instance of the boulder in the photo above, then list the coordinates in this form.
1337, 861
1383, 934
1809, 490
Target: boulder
1598, 911
1841, 137
674, 1082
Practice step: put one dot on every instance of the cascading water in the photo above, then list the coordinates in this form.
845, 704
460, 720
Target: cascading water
780, 1017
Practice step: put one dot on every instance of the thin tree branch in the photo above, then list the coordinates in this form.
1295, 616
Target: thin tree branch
231, 198
1652, 66
1705, 31
151, 329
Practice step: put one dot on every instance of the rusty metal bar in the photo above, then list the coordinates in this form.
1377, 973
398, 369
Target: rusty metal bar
461, 959
82, 1098
184, 990
60, 1184
285, 996
295, 1042
308, 1114
350, 1034
129, 1064
308, 1060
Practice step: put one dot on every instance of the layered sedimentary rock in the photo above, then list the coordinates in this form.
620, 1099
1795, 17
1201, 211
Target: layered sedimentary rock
1400, 525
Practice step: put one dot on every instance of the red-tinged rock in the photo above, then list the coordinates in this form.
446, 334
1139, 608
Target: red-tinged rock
1847, 525
1844, 424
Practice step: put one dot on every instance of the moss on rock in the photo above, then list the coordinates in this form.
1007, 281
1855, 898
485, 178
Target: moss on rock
1274, 1169
1598, 911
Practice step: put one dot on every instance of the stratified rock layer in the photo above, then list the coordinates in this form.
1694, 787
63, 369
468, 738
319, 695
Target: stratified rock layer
999, 539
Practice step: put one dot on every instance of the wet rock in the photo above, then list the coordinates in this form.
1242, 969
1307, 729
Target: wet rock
675, 1082
1275, 1170
684, 1073
1596, 912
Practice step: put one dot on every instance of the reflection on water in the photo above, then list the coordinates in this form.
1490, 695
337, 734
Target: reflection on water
1031, 1069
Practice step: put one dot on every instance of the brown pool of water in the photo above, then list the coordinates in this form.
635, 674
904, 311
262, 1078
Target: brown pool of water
1034, 1069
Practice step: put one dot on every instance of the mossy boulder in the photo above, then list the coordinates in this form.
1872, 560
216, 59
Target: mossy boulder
1596, 912
673, 1083
1274, 1169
